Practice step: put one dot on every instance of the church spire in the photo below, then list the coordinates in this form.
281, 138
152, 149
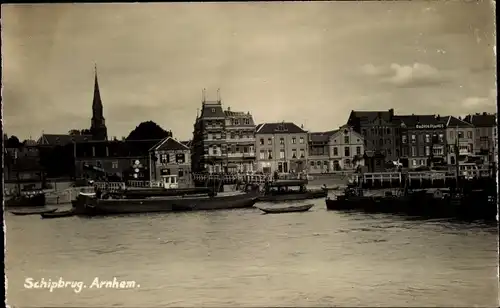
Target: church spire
98, 126
96, 103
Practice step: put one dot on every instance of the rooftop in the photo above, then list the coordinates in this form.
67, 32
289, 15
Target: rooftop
279, 127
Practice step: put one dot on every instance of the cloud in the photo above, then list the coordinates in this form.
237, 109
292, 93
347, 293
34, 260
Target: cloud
416, 75
480, 103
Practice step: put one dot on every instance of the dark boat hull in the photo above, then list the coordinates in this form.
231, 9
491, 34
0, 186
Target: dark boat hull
292, 209
37, 200
60, 214
92, 206
293, 196
33, 212
470, 207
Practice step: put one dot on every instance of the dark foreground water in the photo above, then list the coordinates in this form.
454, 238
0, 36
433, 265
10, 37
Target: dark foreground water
244, 258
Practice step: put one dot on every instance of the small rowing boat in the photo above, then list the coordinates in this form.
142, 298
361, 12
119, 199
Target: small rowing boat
33, 212
288, 209
60, 214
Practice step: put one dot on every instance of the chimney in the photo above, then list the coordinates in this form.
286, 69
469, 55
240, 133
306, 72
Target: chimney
391, 112
228, 108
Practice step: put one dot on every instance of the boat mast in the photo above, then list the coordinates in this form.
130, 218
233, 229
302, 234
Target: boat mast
456, 150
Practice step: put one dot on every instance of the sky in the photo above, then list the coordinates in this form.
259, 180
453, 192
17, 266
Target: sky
310, 63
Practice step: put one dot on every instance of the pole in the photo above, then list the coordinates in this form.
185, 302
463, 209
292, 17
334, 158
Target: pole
456, 150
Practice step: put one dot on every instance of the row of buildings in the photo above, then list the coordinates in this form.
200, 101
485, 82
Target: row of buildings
227, 141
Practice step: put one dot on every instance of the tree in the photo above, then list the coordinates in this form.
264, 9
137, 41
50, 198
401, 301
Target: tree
74, 132
12, 142
85, 132
147, 131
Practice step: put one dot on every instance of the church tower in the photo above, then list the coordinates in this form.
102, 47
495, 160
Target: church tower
98, 126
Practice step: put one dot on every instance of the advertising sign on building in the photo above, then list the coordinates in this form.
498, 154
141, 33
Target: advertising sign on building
429, 126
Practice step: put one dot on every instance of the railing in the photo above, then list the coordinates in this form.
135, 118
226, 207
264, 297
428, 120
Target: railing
230, 178
249, 140
237, 155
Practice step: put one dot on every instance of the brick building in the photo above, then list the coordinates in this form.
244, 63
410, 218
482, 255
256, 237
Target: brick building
379, 130
170, 157
240, 140
461, 133
423, 139
121, 159
346, 149
223, 140
319, 152
486, 138
281, 147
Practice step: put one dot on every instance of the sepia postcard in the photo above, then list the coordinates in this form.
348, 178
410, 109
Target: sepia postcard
250, 154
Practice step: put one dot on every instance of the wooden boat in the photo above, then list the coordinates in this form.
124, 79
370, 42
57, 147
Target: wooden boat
159, 192
280, 190
88, 205
29, 199
58, 214
33, 212
288, 209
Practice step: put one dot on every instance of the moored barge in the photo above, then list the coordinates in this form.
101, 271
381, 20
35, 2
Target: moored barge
283, 190
91, 205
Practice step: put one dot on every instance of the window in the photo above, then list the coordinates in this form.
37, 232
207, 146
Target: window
388, 131
358, 150
209, 136
213, 110
231, 135
282, 141
294, 140
325, 163
115, 165
414, 162
347, 151
346, 139
180, 158
269, 141
413, 138
427, 150
247, 121
312, 163
404, 139
335, 151
452, 134
282, 154
294, 153
441, 138
318, 163
181, 173
262, 155
261, 141
427, 138
236, 122
389, 152
164, 158
381, 142
302, 153
460, 134
413, 151
270, 154
469, 134
301, 140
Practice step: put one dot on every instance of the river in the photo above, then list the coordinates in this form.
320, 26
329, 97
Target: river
243, 258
